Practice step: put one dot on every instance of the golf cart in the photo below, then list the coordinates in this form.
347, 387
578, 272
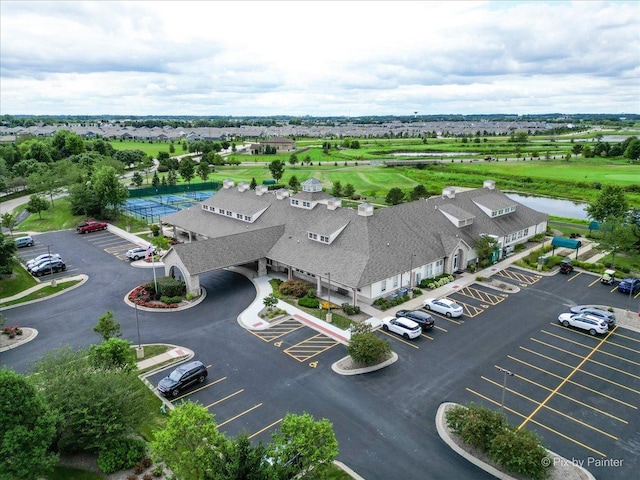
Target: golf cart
566, 266
608, 277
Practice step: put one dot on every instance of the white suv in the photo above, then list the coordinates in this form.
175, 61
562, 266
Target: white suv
402, 326
585, 322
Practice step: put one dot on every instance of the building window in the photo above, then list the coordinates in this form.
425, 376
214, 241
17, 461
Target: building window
526, 232
494, 213
313, 236
306, 204
239, 215
229, 213
383, 286
520, 234
294, 201
324, 239
247, 218
395, 282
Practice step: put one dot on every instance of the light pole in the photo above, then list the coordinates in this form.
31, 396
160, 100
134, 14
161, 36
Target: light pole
328, 318
410, 271
140, 349
504, 385
53, 280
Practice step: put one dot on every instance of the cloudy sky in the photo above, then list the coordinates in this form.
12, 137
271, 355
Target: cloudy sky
319, 58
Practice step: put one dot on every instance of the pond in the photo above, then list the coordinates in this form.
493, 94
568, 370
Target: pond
552, 206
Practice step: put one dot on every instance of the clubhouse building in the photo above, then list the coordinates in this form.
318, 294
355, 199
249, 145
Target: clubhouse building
366, 252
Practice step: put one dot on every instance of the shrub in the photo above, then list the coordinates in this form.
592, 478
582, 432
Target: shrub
155, 229
120, 454
416, 292
168, 286
158, 471
190, 296
309, 302
294, 288
385, 304
350, 309
365, 347
519, 451
476, 425
170, 300
433, 283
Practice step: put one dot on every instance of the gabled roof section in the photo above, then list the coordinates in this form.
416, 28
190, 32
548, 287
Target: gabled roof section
493, 201
456, 215
250, 204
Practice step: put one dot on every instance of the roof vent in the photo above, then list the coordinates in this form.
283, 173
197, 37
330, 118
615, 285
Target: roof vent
365, 209
282, 193
449, 192
261, 189
243, 186
227, 183
490, 184
334, 203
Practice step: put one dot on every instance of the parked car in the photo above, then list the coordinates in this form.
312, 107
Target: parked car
608, 277
138, 253
24, 241
39, 263
182, 378
608, 317
402, 326
91, 226
41, 258
585, 322
425, 320
48, 266
629, 285
443, 306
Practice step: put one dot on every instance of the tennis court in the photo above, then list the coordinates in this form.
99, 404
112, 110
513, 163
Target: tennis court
152, 208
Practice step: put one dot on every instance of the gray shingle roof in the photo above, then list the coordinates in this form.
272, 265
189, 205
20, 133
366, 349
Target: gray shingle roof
369, 249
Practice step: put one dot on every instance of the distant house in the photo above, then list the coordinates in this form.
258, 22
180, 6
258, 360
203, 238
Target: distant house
281, 145
369, 252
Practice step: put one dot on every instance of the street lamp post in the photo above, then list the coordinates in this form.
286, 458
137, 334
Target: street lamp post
410, 271
328, 318
53, 280
504, 385
140, 349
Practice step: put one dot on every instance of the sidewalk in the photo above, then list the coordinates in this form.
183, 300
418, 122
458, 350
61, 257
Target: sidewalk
173, 354
46, 283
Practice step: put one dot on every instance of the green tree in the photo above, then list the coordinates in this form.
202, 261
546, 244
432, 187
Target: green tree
618, 236
190, 442
9, 222
203, 170
253, 183
113, 353
172, 178
270, 301
632, 151
312, 442
172, 149
155, 180
277, 169
395, 196
349, 190
137, 179
294, 183
107, 326
37, 205
419, 191
365, 347
337, 189
187, 169
95, 405
27, 432
611, 202
109, 191
485, 246
293, 159
7, 250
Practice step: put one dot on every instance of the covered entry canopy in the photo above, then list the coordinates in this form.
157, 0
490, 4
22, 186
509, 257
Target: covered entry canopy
562, 242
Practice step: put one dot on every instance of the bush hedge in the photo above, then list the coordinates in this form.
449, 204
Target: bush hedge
350, 309
309, 302
120, 454
365, 347
170, 300
436, 282
519, 451
168, 286
385, 304
294, 288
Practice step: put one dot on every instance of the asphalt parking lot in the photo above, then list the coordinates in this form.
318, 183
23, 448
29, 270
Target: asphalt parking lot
580, 393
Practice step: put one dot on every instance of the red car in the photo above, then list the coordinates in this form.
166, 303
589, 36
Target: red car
91, 226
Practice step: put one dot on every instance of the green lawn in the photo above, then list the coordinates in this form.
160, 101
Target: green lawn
58, 217
41, 293
16, 283
151, 149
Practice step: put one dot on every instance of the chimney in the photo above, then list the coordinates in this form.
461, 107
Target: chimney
334, 203
490, 184
449, 192
282, 193
261, 189
227, 183
243, 186
365, 209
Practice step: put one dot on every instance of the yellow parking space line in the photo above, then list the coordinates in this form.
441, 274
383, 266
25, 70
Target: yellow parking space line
311, 347
562, 435
225, 398
619, 370
577, 368
636, 295
447, 319
597, 280
604, 379
469, 310
273, 333
441, 329
239, 415
573, 277
426, 336
604, 352
614, 289
579, 385
551, 409
265, 428
481, 295
571, 399
395, 337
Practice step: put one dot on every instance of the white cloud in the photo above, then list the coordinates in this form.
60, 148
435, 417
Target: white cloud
318, 58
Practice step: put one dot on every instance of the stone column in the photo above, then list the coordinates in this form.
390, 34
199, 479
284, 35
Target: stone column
318, 286
262, 267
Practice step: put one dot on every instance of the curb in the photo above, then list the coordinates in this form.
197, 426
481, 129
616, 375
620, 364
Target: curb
82, 277
357, 371
31, 334
194, 303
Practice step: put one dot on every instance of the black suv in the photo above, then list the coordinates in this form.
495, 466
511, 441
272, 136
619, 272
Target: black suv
425, 320
182, 377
